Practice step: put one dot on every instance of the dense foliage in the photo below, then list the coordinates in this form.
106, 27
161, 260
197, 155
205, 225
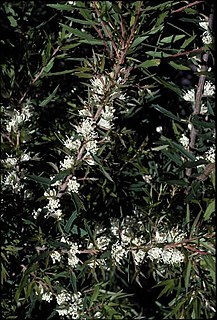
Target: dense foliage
108, 160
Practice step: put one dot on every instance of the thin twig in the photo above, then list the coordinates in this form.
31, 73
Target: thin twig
185, 53
37, 77
106, 30
187, 6
199, 93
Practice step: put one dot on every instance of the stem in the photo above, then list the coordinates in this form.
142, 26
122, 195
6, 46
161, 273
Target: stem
106, 29
187, 6
197, 102
37, 77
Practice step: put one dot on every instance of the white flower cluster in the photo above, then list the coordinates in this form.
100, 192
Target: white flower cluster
55, 256
69, 305
72, 143
210, 154
53, 206
206, 36
11, 179
118, 253
127, 240
67, 163
174, 235
73, 260
167, 256
209, 89
73, 185
184, 141
18, 118
147, 178
189, 95
45, 294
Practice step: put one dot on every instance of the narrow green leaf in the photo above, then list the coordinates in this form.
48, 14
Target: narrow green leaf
49, 98
48, 67
157, 54
171, 39
60, 7
70, 221
83, 22
209, 210
137, 41
187, 275
13, 22
166, 112
187, 42
150, 63
178, 66
83, 35
41, 180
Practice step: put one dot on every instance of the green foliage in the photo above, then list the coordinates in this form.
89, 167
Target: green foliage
108, 167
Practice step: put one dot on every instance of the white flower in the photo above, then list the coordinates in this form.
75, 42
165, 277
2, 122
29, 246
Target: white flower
147, 178
18, 118
12, 180
72, 144
105, 124
91, 146
72, 258
50, 193
102, 242
159, 129
210, 154
209, 89
70, 305
138, 256
189, 95
160, 237
155, 253
98, 88
10, 162
177, 257
206, 36
118, 253
56, 214
36, 213
45, 295
204, 109
25, 157
86, 129
184, 141
55, 256
68, 162
73, 185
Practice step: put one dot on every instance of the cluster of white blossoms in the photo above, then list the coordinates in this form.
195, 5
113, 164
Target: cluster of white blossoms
209, 89
167, 255
73, 260
18, 118
174, 235
206, 36
210, 155
53, 206
127, 240
118, 253
46, 295
184, 140
69, 305
189, 95
11, 179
